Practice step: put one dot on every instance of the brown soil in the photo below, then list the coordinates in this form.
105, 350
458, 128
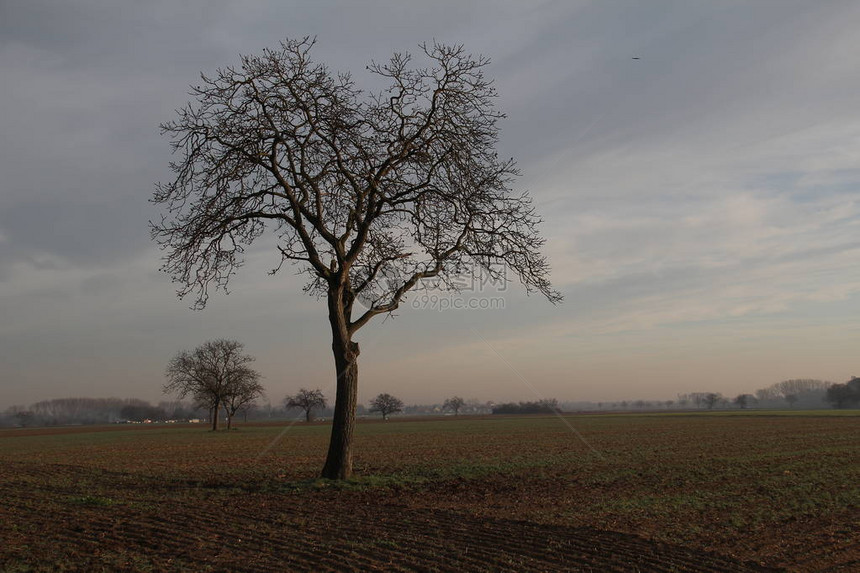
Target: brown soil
51, 525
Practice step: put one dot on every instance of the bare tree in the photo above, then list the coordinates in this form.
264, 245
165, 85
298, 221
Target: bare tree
804, 390
799, 386
212, 374
711, 399
241, 394
307, 400
386, 404
454, 404
767, 394
697, 398
744, 400
369, 194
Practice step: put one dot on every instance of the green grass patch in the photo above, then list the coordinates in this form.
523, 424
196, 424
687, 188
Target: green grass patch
91, 500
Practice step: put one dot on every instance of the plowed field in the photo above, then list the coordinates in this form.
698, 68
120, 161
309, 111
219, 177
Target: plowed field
692, 493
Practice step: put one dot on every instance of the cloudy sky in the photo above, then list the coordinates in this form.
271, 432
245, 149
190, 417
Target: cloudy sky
700, 202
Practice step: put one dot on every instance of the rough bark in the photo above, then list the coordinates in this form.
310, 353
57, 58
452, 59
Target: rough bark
338, 464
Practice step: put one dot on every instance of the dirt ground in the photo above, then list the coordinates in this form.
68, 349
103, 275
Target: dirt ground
668, 494
58, 528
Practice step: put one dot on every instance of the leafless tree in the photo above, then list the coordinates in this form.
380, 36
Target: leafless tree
711, 399
386, 404
215, 374
454, 404
799, 386
744, 400
241, 394
698, 398
767, 394
804, 390
307, 400
369, 194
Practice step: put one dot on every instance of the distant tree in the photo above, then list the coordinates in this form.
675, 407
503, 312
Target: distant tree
844, 395
386, 404
797, 390
711, 399
799, 386
24, 417
176, 409
242, 394
698, 398
744, 400
769, 394
252, 410
454, 404
212, 373
138, 411
307, 400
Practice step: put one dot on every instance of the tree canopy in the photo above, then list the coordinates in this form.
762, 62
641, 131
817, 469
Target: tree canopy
307, 400
369, 194
454, 404
217, 374
845, 395
386, 404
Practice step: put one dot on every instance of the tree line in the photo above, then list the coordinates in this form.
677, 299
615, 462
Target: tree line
539, 407
220, 381
70, 411
794, 393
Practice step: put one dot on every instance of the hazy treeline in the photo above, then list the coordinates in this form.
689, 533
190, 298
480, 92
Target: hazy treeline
801, 393
539, 407
73, 411
796, 393
66, 411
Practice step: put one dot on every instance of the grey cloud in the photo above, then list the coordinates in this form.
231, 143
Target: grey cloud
727, 101
76, 232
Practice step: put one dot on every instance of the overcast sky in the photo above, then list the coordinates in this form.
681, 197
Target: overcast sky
696, 164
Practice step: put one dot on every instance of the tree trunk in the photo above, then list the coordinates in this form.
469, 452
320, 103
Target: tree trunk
308, 415
338, 464
215, 416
